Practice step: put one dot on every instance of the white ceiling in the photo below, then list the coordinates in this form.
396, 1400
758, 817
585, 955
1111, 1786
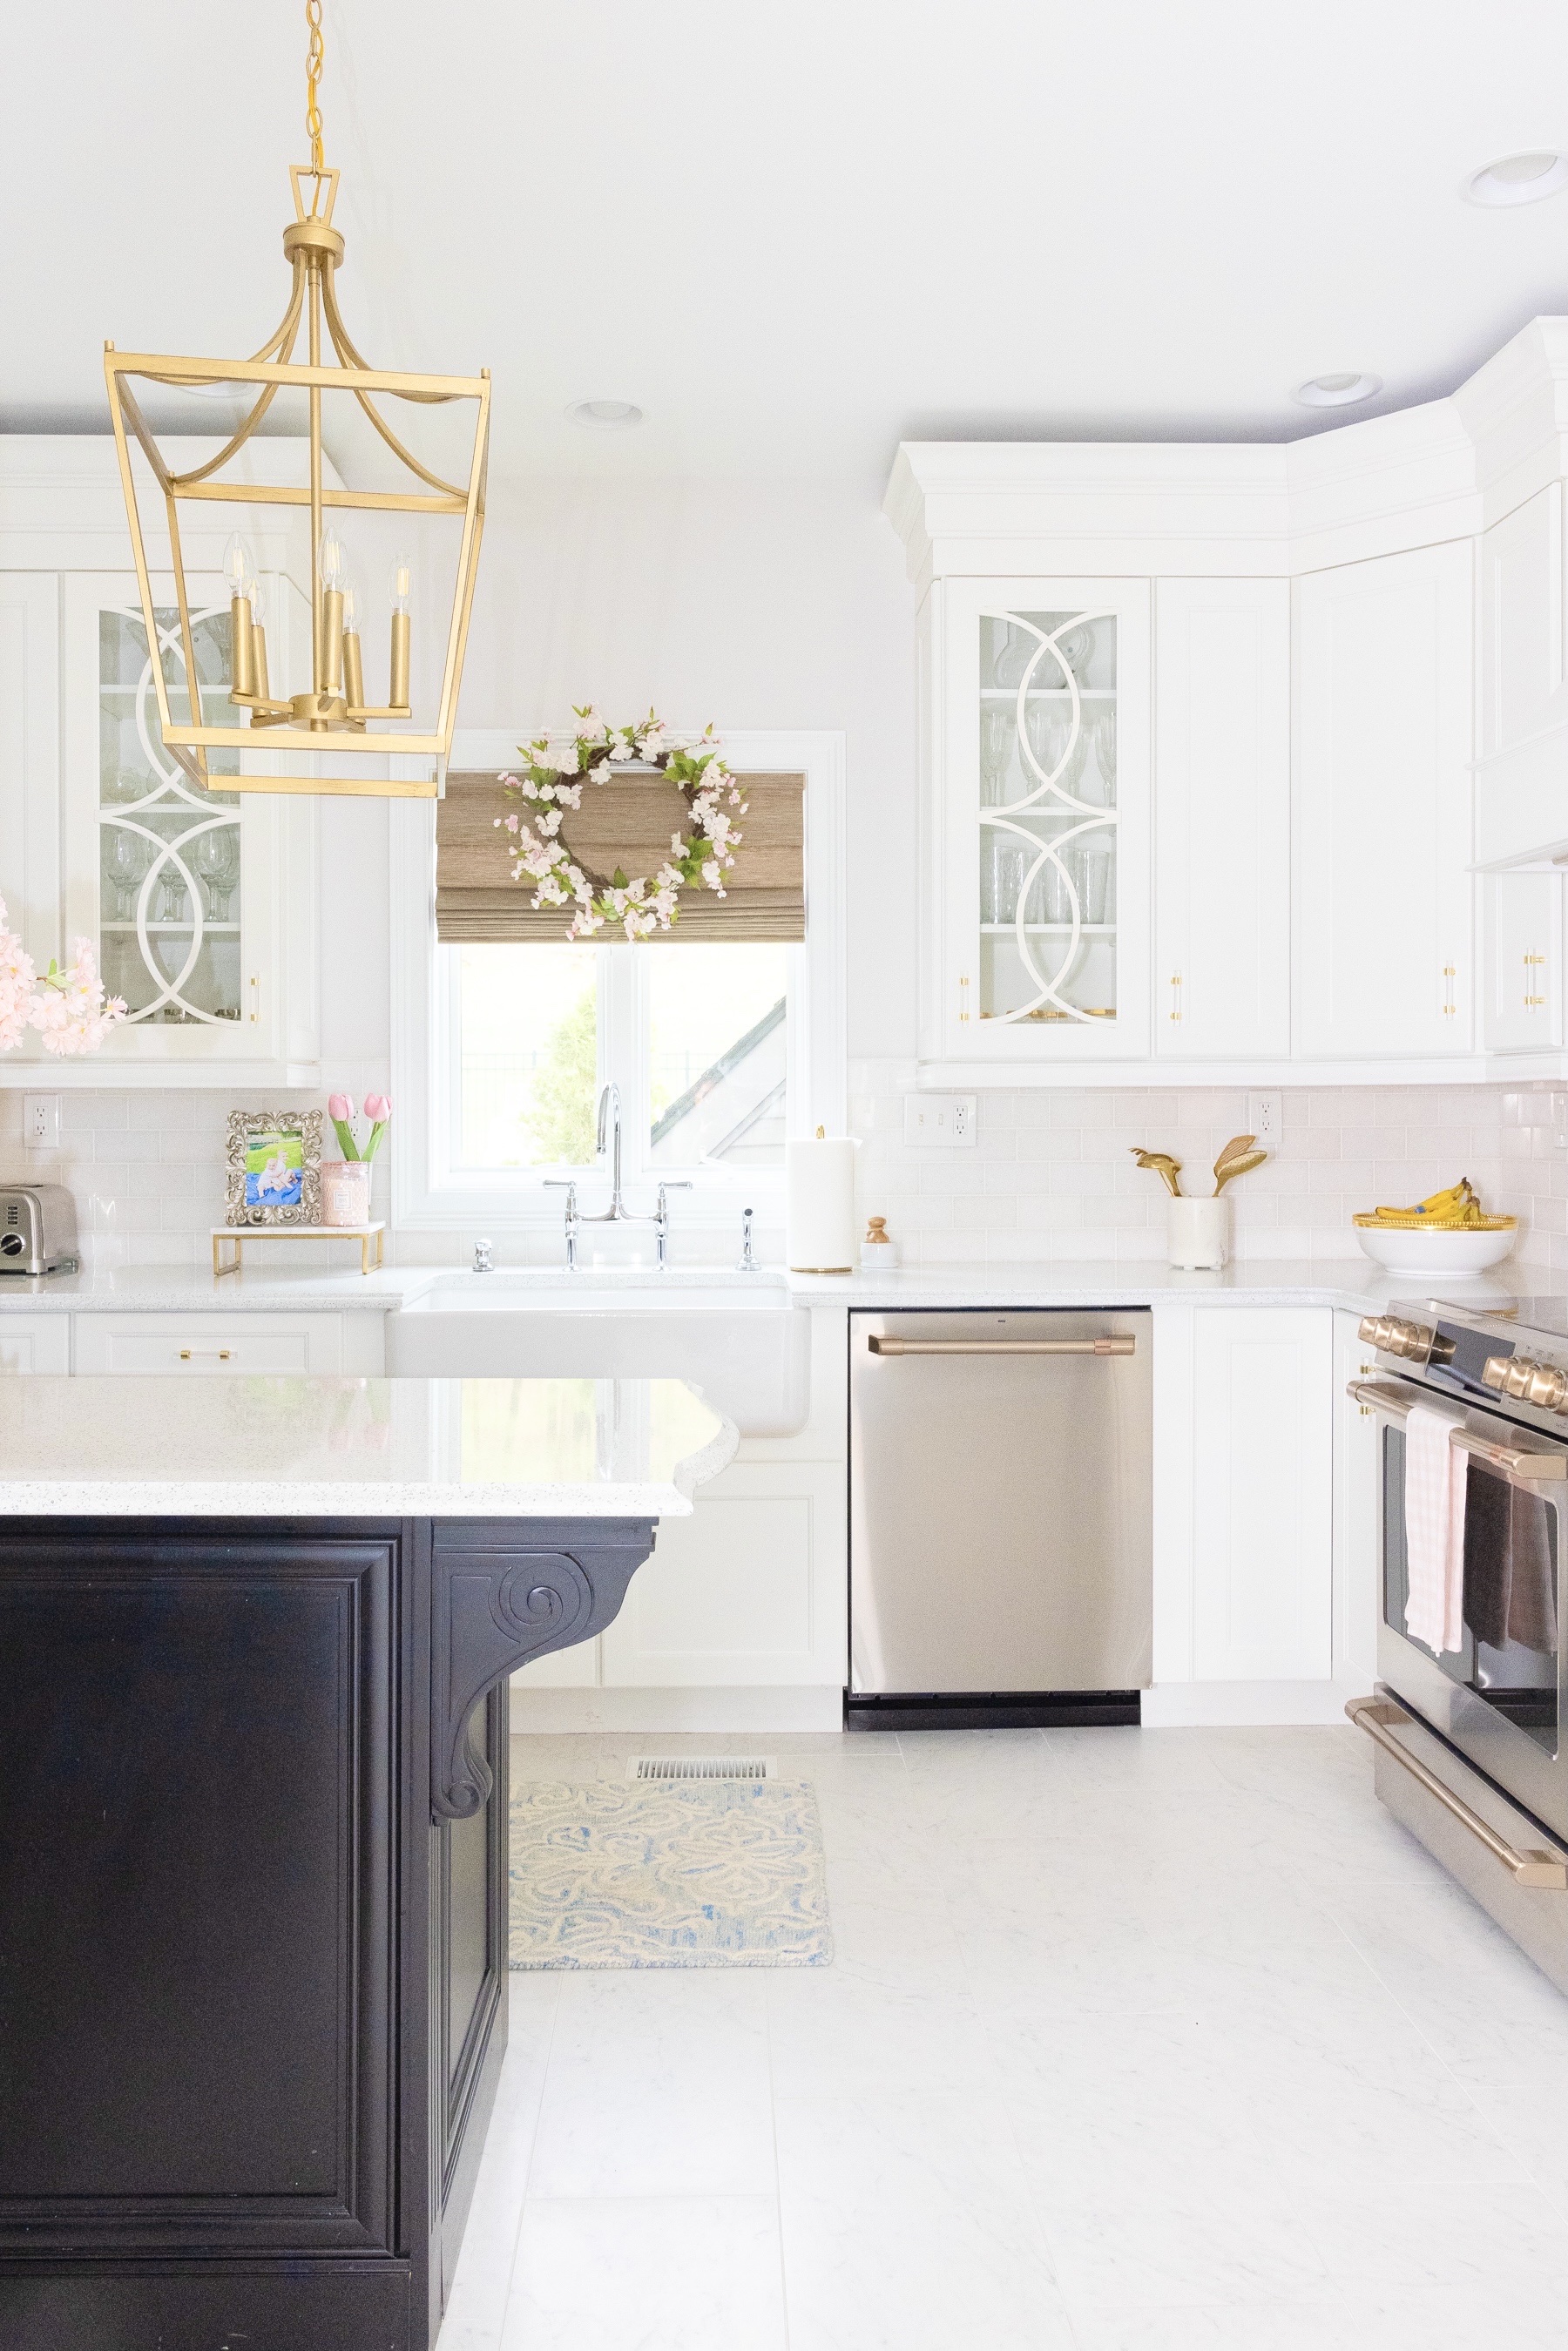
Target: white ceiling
794, 236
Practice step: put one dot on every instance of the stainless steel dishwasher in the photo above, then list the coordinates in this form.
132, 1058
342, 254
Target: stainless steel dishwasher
1001, 1532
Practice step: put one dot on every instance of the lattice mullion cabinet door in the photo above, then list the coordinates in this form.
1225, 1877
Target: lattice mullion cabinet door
202, 906
1038, 820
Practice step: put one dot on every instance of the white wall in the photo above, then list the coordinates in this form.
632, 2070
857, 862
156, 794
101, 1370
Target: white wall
754, 604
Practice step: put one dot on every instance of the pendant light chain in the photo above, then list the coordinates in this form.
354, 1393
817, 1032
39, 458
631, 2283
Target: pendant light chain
315, 57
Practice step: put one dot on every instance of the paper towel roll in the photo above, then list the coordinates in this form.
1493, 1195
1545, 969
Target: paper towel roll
820, 1205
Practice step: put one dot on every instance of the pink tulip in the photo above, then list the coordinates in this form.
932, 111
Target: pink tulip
378, 1107
340, 1106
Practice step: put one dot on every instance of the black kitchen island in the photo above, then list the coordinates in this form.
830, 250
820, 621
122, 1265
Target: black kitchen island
252, 1826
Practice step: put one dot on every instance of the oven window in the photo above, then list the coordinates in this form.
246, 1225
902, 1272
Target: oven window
1509, 1656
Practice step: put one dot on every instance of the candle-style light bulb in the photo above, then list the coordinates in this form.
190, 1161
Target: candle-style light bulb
401, 584
331, 564
353, 667
239, 573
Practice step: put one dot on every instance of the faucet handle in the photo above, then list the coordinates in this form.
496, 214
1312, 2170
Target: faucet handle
747, 1263
483, 1257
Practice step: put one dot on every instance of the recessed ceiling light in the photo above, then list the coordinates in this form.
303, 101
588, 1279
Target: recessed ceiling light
606, 414
1341, 391
1519, 178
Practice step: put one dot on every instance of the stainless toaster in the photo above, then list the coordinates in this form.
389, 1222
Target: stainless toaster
38, 1228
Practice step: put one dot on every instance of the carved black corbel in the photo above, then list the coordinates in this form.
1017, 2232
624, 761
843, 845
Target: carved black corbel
497, 1601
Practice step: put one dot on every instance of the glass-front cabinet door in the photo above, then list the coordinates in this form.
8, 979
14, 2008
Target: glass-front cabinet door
1041, 866
185, 893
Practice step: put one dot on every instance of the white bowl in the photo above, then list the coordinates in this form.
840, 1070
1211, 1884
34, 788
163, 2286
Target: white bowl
1406, 1250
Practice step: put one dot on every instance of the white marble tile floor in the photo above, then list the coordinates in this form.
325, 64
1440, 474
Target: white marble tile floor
1134, 2041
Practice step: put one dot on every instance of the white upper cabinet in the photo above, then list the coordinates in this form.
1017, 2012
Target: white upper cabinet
1522, 962
1522, 618
30, 758
200, 907
1037, 822
1222, 819
1385, 961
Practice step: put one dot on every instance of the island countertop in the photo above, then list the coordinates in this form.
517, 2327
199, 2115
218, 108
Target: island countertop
212, 1445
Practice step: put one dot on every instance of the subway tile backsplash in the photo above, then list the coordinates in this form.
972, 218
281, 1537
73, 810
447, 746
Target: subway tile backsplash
1050, 1179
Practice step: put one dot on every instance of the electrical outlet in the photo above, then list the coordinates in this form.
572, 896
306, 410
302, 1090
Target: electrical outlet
1266, 1117
946, 1120
41, 1121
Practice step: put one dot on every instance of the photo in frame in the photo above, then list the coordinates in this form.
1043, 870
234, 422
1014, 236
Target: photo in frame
274, 1164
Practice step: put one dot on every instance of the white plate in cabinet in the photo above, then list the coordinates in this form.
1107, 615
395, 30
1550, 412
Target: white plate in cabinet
1523, 962
210, 1343
1222, 825
35, 1343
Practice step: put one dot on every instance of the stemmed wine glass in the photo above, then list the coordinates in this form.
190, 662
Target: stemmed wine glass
216, 861
1106, 751
126, 859
997, 728
1050, 725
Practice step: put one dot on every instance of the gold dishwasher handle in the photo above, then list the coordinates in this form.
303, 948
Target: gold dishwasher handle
1376, 1717
1117, 1345
1525, 1464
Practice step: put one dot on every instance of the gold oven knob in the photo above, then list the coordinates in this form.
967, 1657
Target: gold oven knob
1494, 1372
1547, 1387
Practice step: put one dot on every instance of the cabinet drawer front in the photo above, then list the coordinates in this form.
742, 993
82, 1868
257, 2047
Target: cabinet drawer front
35, 1343
209, 1342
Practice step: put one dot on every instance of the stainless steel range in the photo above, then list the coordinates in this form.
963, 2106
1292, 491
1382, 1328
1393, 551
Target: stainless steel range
1467, 1723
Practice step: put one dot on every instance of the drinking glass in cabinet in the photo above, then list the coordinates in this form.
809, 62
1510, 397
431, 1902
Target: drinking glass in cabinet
126, 857
1001, 877
216, 861
997, 736
1094, 882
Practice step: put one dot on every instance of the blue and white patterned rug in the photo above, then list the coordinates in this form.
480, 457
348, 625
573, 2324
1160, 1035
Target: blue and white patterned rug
717, 1874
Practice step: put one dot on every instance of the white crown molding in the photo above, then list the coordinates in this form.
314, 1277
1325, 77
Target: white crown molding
1443, 470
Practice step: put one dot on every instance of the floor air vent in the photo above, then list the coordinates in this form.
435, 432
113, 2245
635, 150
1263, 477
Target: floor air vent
703, 1767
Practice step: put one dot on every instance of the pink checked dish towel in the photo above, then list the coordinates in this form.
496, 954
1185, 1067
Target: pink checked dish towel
1434, 1529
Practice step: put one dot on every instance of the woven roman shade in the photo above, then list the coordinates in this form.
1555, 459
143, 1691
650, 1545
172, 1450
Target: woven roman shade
627, 822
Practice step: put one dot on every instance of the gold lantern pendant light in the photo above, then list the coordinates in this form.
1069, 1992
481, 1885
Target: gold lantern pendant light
333, 714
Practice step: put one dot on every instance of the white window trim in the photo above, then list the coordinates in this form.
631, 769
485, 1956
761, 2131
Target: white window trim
427, 1193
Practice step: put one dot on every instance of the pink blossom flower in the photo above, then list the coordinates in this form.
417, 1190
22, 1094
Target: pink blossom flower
342, 1106
377, 1106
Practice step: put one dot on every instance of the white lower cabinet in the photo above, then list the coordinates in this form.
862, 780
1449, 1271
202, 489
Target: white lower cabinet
35, 1343
1263, 1494
748, 1591
1357, 1459
234, 1343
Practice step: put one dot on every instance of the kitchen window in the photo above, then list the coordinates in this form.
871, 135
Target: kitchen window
695, 1036
720, 1047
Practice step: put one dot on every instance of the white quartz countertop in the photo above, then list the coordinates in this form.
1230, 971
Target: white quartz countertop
1353, 1282
216, 1446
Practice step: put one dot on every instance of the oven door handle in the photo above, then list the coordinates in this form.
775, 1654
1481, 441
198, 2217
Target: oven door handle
1377, 1717
1519, 1465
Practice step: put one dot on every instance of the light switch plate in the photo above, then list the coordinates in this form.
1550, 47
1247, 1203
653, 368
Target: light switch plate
41, 1121
947, 1121
1266, 1117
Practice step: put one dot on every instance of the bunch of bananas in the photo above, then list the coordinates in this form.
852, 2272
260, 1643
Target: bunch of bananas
1456, 1210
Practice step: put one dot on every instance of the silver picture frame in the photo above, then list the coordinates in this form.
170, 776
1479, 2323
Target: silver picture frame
273, 1168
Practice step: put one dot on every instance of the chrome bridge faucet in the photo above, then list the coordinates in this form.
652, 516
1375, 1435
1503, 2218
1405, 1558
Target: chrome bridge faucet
617, 1213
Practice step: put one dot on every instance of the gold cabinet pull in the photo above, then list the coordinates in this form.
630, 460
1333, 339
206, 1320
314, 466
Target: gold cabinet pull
1378, 1717
1450, 973
1176, 996
222, 1353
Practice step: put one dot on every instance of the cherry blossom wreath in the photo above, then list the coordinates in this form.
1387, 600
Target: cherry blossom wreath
546, 789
